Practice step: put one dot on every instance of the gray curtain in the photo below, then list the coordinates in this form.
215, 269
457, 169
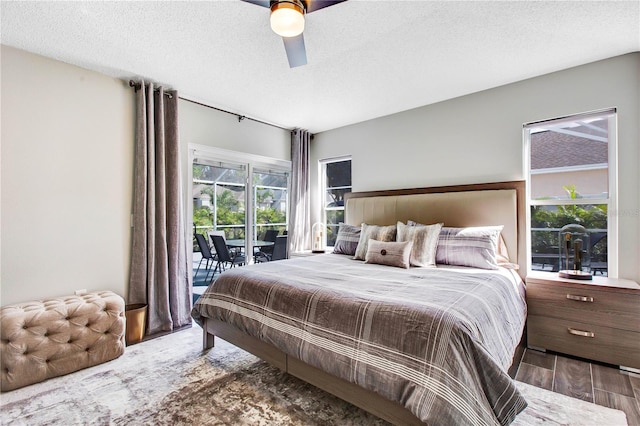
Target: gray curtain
159, 269
300, 217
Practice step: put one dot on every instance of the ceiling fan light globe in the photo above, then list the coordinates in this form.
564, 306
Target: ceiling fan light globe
287, 19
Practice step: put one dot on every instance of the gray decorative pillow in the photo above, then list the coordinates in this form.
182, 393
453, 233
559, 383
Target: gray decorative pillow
389, 253
425, 241
373, 232
347, 239
474, 246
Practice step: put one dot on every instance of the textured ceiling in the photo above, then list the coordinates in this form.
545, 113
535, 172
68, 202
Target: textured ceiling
366, 58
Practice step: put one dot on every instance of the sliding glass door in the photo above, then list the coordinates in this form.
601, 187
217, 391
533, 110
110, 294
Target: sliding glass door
219, 198
223, 200
271, 201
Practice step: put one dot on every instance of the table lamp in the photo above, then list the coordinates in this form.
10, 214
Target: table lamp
318, 241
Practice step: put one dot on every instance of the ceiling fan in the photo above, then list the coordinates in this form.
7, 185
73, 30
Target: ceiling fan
287, 20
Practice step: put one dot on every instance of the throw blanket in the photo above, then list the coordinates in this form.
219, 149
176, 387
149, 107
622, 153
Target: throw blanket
437, 340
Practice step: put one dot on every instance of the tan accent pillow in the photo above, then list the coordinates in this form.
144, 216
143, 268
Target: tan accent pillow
389, 253
373, 232
425, 242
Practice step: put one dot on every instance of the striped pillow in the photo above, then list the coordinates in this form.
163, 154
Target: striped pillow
475, 246
425, 241
373, 232
347, 239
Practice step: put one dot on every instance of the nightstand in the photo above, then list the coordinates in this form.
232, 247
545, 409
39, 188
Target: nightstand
598, 319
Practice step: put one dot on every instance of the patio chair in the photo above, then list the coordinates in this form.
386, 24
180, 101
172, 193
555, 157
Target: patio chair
206, 254
266, 252
224, 256
278, 251
211, 234
280, 248
232, 250
271, 235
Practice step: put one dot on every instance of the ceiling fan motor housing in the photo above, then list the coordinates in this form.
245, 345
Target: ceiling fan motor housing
299, 5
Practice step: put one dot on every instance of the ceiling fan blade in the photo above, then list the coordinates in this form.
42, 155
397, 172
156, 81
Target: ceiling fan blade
313, 5
296, 53
263, 3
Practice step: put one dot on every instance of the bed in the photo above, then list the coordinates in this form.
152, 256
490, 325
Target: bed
412, 346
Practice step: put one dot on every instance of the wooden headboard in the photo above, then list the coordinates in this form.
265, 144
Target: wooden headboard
498, 203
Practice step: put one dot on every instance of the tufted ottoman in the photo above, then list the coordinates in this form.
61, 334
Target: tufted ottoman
57, 336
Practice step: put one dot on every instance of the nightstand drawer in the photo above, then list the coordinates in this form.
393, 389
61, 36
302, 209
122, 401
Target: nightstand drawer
614, 346
586, 304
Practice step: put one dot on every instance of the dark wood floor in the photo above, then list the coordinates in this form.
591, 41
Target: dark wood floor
589, 381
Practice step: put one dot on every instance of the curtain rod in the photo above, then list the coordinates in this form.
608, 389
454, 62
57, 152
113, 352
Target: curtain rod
136, 86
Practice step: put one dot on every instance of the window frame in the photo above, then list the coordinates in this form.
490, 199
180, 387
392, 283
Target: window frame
612, 196
322, 168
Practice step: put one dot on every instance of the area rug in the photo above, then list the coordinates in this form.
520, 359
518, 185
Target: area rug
171, 381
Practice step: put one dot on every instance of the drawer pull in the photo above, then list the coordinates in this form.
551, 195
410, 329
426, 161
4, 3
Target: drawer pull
580, 298
581, 333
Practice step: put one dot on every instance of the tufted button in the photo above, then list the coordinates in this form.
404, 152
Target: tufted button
67, 318
87, 350
383, 252
46, 334
24, 327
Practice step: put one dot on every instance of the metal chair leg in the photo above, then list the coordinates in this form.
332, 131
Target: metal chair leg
201, 259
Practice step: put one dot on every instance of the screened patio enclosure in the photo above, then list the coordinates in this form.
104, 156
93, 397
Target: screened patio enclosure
220, 200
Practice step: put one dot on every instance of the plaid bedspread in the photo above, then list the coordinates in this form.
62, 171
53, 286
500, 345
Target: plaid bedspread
437, 340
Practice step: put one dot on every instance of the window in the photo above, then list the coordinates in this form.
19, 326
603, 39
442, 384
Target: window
335, 182
571, 180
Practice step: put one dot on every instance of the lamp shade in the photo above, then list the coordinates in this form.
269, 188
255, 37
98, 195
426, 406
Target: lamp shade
575, 246
318, 243
287, 18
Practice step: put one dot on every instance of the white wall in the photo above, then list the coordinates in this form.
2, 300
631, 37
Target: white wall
478, 138
67, 138
67, 169
206, 126
200, 125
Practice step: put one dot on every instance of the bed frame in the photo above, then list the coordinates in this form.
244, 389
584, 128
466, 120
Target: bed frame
500, 203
